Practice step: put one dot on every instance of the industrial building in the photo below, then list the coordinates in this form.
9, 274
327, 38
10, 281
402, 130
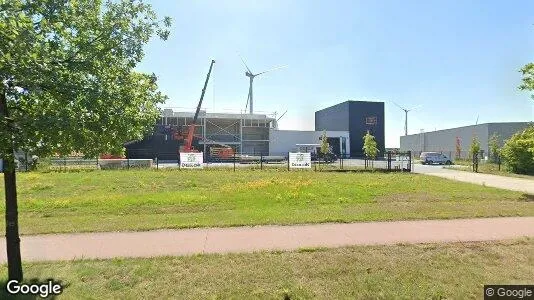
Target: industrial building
345, 125
356, 118
245, 133
446, 140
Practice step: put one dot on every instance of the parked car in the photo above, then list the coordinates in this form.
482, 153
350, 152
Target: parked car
435, 158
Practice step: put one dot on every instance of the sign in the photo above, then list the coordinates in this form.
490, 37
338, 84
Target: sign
192, 160
300, 160
370, 120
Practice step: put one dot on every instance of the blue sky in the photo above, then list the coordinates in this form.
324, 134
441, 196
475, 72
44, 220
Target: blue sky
458, 59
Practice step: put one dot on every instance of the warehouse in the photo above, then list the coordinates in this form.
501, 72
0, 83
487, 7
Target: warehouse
356, 118
447, 140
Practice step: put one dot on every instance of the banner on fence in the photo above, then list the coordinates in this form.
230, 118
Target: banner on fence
192, 160
300, 160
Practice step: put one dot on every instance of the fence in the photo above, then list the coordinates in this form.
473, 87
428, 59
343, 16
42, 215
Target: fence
389, 162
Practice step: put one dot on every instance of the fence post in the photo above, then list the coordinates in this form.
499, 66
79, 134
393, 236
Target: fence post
234, 161
499, 161
128, 161
288, 161
409, 161
261, 161
157, 163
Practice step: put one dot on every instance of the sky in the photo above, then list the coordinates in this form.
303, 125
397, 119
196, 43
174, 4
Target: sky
457, 60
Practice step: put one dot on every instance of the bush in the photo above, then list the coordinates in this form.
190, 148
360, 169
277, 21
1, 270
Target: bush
518, 152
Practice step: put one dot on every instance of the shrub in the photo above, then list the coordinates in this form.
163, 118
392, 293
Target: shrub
518, 152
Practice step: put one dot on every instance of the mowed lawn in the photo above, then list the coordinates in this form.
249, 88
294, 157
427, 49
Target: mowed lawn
432, 271
151, 199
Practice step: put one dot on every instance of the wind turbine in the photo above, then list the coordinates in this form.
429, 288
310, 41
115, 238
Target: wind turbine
251, 76
406, 116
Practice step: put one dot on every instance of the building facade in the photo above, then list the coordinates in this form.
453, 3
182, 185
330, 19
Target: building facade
283, 141
356, 118
245, 133
447, 140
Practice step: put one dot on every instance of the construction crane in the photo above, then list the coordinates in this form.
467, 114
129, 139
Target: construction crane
188, 145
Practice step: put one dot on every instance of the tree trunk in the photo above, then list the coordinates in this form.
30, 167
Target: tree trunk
14, 263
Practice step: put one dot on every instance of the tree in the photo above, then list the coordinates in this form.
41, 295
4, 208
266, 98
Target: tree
370, 147
527, 82
493, 146
325, 147
474, 149
458, 148
67, 83
518, 152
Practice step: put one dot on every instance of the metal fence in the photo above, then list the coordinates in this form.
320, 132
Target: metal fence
389, 162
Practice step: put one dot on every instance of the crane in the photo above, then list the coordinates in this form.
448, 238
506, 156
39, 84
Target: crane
188, 145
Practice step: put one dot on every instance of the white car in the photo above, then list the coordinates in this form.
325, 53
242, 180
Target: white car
434, 158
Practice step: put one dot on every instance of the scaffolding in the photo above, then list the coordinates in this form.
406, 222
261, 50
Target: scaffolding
247, 134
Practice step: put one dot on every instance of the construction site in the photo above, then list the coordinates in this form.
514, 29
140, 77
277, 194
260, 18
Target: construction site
248, 134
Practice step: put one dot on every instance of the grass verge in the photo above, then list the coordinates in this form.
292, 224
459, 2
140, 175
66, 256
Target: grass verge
150, 199
429, 271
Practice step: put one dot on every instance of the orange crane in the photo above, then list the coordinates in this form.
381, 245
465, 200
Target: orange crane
188, 145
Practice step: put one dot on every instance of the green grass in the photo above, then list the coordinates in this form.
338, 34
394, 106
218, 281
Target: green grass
487, 168
150, 199
430, 271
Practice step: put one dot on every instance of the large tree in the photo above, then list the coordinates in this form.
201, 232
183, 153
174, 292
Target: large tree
68, 83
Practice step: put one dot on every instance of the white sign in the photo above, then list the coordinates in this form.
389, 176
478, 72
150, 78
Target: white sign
192, 160
300, 160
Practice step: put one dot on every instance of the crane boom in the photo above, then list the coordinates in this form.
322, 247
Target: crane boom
188, 147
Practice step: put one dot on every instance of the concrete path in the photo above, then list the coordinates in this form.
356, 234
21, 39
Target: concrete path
250, 239
503, 182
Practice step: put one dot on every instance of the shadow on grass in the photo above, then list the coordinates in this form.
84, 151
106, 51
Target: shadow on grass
4, 294
365, 170
527, 197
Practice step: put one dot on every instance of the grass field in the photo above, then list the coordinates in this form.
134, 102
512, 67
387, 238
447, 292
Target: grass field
149, 199
432, 271
487, 168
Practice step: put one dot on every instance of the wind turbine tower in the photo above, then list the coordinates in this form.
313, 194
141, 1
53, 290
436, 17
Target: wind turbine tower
251, 76
406, 116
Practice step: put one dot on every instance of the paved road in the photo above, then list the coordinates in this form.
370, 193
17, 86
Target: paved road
250, 239
503, 182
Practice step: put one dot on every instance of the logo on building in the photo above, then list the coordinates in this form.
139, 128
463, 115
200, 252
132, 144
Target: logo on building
191, 158
371, 120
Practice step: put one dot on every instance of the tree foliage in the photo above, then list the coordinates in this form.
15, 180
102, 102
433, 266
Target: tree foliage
67, 75
518, 152
527, 83
370, 146
458, 146
474, 148
325, 147
494, 148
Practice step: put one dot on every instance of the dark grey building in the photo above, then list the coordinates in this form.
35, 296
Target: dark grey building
445, 141
356, 117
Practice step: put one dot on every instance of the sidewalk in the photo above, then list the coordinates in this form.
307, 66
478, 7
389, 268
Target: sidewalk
259, 238
503, 182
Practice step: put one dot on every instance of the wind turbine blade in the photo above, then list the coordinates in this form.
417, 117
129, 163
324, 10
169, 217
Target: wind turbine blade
415, 107
276, 68
398, 105
244, 63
